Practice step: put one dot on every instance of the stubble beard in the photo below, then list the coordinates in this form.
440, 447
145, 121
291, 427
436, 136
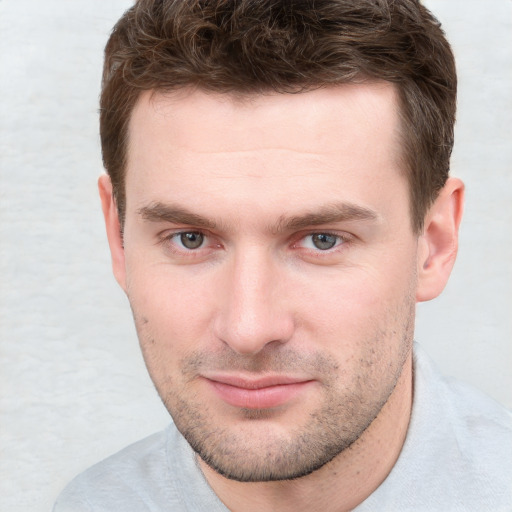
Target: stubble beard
262, 453
266, 457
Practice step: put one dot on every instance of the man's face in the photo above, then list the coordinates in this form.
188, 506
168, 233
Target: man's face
271, 268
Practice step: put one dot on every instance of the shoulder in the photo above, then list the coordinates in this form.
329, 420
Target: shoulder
482, 429
125, 481
156, 474
457, 455
465, 435
472, 415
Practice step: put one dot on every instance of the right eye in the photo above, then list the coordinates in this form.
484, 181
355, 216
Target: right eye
189, 240
189, 246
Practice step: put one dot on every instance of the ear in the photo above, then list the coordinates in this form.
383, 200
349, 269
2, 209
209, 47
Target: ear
438, 244
113, 227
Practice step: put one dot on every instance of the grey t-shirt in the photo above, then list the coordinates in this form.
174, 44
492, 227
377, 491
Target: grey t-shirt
457, 457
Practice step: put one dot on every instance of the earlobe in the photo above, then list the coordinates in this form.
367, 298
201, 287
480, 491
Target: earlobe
437, 247
113, 228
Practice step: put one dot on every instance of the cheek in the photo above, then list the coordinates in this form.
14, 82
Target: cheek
360, 310
171, 312
342, 297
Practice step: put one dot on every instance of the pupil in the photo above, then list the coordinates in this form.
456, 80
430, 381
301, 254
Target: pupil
324, 241
191, 240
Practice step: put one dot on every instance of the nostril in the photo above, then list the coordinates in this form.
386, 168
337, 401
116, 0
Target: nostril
250, 334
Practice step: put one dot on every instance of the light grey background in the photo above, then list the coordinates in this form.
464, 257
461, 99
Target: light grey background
73, 387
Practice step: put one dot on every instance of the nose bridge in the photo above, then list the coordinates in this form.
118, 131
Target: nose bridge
254, 311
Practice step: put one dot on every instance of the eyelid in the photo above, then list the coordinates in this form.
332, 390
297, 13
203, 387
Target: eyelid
172, 233
211, 242
343, 237
165, 238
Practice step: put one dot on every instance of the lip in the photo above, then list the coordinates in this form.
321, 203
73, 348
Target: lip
261, 393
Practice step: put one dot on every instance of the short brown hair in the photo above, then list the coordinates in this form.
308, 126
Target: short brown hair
287, 46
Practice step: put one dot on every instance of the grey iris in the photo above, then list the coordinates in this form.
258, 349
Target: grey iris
191, 240
324, 241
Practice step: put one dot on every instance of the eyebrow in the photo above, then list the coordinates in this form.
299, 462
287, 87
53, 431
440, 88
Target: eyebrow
159, 212
327, 214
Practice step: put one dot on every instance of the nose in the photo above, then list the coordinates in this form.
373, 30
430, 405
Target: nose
254, 307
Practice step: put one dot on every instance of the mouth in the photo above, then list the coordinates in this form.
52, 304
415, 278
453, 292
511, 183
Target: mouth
261, 393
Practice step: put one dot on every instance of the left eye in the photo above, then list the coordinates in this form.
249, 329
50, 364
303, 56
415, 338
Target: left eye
190, 239
321, 241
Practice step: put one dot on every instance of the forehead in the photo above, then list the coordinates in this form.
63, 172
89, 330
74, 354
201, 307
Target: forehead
339, 141
189, 114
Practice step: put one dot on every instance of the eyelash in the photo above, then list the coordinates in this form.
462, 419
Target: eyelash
167, 241
340, 240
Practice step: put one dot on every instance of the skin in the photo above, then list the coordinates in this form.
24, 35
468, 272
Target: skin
254, 187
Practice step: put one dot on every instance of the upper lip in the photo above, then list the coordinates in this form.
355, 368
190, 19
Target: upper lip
260, 382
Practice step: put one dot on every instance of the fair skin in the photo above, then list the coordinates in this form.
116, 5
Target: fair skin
272, 270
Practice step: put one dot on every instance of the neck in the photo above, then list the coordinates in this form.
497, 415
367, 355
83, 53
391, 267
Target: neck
343, 483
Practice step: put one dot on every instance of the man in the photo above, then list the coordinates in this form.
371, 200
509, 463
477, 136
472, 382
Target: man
277, 201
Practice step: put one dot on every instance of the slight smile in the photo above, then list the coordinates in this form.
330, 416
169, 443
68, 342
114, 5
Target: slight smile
261, 393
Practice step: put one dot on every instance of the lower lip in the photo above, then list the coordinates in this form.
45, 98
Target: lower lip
262, 398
